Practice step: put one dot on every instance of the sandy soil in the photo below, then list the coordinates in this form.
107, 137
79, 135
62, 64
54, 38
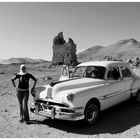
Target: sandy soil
120, 121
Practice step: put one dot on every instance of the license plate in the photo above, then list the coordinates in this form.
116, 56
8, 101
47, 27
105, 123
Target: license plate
48, 113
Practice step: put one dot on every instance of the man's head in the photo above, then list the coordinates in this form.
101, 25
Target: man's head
23, 68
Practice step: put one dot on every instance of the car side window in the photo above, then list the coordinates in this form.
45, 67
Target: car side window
96, 72
90, 72
126, 72
113, 73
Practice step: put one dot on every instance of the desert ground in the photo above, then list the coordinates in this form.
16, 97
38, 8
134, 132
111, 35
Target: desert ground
121, 121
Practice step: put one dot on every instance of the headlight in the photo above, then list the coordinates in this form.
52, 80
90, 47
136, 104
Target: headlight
70, 97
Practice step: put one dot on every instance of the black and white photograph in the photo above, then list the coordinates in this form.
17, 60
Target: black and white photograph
69, 69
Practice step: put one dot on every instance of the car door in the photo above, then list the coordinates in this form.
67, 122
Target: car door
115, 86
127, 78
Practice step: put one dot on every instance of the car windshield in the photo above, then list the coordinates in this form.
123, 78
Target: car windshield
96, 72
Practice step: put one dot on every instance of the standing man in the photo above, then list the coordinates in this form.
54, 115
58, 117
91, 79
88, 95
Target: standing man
23, 92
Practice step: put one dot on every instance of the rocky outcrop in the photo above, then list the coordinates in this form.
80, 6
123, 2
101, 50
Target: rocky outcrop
64, 53
59, 40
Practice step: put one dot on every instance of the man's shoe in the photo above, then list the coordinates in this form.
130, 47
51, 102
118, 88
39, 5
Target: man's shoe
27, 122
21, 120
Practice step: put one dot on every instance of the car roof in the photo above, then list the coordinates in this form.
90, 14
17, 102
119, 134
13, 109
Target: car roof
102, 63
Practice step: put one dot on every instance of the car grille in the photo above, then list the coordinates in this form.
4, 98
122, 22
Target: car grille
49, 103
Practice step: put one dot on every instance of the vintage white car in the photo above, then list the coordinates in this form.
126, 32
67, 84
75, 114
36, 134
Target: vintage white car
92, 87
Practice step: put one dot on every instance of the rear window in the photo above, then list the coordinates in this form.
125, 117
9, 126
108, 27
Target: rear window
126, 72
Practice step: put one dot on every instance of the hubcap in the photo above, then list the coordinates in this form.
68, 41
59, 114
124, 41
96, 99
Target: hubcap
91, 113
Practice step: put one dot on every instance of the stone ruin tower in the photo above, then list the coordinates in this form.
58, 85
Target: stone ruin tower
64, 53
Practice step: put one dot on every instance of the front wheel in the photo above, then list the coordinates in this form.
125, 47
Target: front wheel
91, 113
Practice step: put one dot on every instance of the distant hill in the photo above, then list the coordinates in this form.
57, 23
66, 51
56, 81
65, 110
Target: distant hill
89, 53
21, 61
123, 49
1, 60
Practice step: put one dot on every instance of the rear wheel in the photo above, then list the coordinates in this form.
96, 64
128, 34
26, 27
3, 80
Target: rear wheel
91, 113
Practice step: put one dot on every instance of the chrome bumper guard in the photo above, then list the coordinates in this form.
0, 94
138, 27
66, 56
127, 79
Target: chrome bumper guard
57, 112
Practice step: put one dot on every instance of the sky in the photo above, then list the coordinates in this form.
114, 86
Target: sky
27, 29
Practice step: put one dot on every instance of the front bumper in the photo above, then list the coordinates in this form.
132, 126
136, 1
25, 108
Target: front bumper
57, 112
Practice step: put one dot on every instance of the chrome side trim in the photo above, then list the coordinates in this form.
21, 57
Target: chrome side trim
112, 94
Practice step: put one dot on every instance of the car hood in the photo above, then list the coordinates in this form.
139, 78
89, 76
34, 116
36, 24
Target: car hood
76, 83
59, 90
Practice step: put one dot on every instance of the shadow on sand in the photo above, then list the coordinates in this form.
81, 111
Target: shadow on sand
114, 120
